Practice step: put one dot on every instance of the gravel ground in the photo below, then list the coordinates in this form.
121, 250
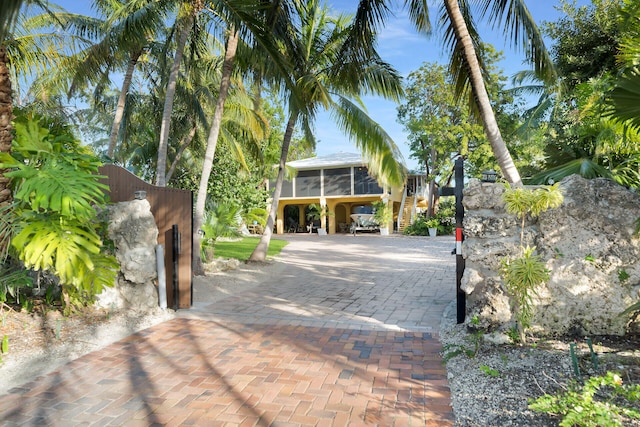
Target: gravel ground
493, 387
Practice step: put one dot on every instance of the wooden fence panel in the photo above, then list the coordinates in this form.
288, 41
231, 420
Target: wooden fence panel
169, 206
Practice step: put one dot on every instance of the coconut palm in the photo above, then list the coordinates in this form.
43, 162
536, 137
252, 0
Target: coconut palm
9, 12
130, 34
463, 40
114, 40
248, 16
244, 16
189, 11
314, 53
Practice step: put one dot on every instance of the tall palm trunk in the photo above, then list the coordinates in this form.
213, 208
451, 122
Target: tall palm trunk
126, 84
260, 252
482, 98
186, 141
168, 102
212, 142
6, 113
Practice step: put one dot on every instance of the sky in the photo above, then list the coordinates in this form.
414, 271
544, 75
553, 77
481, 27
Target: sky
406, 51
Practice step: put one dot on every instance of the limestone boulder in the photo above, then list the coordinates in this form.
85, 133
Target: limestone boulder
589, 247
135, 235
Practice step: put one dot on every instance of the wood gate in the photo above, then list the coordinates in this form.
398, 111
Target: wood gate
170, 207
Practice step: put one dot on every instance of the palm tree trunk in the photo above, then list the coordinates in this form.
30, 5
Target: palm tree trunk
168, 102
6, 114
491, 129
260, 252
126, 84
183, 146
212, 142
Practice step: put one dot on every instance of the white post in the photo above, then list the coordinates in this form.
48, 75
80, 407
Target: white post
162, 279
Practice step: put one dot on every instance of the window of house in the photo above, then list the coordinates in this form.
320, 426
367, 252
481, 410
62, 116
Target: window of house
308, 183
364, 183
287, 188
337, 182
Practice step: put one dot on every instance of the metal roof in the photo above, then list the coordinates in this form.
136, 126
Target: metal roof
335, 160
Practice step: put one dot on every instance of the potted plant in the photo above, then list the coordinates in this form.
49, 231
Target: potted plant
383, 215
432, 224
315, 213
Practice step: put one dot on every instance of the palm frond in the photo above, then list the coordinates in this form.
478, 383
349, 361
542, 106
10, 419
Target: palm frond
625, 99
382, 154
586, 168
514, 18
419, 15
8, 13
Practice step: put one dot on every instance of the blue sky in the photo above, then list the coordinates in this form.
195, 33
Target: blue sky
406, 50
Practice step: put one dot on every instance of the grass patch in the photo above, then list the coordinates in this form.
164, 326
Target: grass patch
242, 249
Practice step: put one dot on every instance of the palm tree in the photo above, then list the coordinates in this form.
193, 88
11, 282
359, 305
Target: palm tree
480, 93
461, 34
189, 11
116, 39
131, 32
248, 16
314, 53
212, 140
8, 12
244, 16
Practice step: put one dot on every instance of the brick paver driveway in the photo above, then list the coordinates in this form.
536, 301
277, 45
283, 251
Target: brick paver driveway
341, 331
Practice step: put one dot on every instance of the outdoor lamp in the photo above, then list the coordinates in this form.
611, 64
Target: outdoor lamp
489, 176
140, 195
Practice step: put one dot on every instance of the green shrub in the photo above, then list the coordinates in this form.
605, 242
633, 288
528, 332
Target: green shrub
56, 193
597, 403
220, 220
523, 273
418, 228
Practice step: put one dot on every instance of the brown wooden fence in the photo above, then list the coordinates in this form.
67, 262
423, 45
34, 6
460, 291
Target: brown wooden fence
169, 206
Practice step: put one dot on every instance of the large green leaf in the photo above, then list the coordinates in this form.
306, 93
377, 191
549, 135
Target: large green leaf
56, 193
625, 99
59, 187
70, 250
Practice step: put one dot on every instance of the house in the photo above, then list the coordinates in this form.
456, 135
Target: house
341, 183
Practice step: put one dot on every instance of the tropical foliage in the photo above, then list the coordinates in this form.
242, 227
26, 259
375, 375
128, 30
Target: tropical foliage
57, 192
523, 273
586, 112
322, 78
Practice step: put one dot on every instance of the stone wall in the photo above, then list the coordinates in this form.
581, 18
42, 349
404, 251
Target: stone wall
135, 235
589, 248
